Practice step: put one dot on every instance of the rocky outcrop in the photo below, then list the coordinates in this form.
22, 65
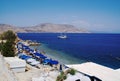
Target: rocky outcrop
5, 73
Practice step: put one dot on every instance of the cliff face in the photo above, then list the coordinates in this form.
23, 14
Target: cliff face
46, 27
5, 73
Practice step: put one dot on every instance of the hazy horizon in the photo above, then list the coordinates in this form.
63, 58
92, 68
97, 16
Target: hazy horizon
93, 15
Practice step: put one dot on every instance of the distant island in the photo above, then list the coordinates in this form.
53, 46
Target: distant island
44, 28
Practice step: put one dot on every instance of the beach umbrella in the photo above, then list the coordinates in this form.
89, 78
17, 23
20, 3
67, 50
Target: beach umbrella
24, 46
46, 61
31, 50
43, 57
19, 43
54, 62
27, 49
27, 58
20, 54
40, 55
23, 56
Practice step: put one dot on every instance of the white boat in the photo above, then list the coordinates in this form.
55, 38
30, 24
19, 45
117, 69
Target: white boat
62, 36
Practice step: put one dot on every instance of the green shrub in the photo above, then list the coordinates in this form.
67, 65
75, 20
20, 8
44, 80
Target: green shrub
72, 71
62, 73
0, 46
7, 48
59, 78
64, 77
9, 35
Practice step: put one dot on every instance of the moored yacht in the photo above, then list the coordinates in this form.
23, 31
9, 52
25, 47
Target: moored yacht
62, 36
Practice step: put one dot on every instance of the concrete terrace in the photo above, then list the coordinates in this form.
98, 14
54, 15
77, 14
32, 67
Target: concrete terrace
102, 72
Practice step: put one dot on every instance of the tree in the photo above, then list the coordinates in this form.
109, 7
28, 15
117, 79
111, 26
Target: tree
7, 49
9, 35
0, 46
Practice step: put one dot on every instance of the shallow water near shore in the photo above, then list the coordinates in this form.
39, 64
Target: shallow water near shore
58, 55
103, 49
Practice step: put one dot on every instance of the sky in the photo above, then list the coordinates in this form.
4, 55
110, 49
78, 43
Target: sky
93, 15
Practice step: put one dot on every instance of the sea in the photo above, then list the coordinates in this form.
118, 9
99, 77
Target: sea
100, 48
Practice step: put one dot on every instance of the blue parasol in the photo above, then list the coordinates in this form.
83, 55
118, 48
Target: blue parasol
40, 55
53, 62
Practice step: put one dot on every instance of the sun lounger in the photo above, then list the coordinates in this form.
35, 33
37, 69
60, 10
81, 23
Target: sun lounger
24, 57
30, 60
46, 61
34, 63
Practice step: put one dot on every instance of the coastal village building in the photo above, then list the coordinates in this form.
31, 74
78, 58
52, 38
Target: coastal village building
16, 64
102, 72
5, 73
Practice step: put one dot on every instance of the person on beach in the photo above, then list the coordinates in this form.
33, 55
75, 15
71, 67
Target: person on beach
60, 67
35, 50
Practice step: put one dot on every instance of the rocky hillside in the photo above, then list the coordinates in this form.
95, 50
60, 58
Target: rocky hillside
46, 27
5, 27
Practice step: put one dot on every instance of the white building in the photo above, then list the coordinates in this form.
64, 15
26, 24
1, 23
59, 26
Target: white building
16, 64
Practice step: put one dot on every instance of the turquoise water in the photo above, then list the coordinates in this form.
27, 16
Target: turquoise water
58, 55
